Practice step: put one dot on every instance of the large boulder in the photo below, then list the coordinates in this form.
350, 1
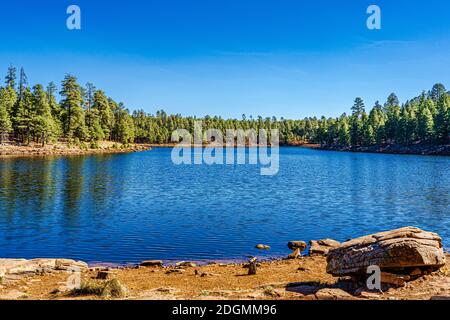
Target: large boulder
395, 250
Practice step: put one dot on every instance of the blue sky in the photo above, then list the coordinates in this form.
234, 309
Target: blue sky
290, 58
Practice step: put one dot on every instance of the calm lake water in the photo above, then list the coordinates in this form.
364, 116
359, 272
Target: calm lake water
130, 207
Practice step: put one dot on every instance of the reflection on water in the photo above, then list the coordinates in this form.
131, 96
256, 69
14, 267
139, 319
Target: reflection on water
130, 207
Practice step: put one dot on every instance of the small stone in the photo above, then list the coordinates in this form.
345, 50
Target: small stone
177, 271
440, 298
252, 266
104, 275
293, 245
208, 274
151, 263
295, 255
415, 272
262, 247
186, 264
333, 294
309, 297
394, 279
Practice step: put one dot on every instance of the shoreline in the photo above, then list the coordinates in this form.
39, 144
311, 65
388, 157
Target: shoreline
421, 150
303, 278
292, 277
63, 149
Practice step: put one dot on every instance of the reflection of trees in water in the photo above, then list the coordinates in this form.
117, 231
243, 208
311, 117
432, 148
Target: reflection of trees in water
72, 187
45, 184
28, 185
100, 181
7, 188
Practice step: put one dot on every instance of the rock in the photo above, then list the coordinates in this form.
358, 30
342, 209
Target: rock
208, 274
262, 247
70, 265
415, 272
104, 275
304, 289
186, 264
177, 271
293, 245
321, 247
440, 298
151, 263
13, 295
333, 294
252, 266
21, 267
309, 297
391, 250
367, 294
295, 255
394, 279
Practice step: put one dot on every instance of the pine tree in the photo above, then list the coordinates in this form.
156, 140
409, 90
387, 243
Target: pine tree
5, 121
125, 127
358, 107
73, 113
55, 108
391, 101
437, 92
441, 121
392, 111
22, 116
23, 83
10, 79
89, 99
425, 123
101, 104
42, 121
344, 132
95, 129
368, 134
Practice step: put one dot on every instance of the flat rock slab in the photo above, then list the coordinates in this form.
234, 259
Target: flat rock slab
322, 247
393, 250
23, 267
333, 294
13, 295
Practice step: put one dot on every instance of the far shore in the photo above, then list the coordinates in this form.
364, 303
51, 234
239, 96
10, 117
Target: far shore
64, 149
414, 149
108, 147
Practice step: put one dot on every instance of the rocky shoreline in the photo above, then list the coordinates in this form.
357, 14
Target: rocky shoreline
63, 149
416, 149
412, 262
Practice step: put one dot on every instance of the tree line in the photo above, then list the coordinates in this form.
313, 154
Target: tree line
87, 115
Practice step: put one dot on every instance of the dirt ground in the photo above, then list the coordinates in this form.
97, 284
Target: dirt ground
281, 279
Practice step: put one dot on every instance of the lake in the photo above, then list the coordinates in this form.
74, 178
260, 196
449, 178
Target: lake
126, 208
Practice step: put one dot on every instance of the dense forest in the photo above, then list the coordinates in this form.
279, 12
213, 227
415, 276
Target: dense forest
85, 115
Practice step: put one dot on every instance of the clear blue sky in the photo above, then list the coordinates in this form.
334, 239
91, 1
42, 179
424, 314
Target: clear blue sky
290, 58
